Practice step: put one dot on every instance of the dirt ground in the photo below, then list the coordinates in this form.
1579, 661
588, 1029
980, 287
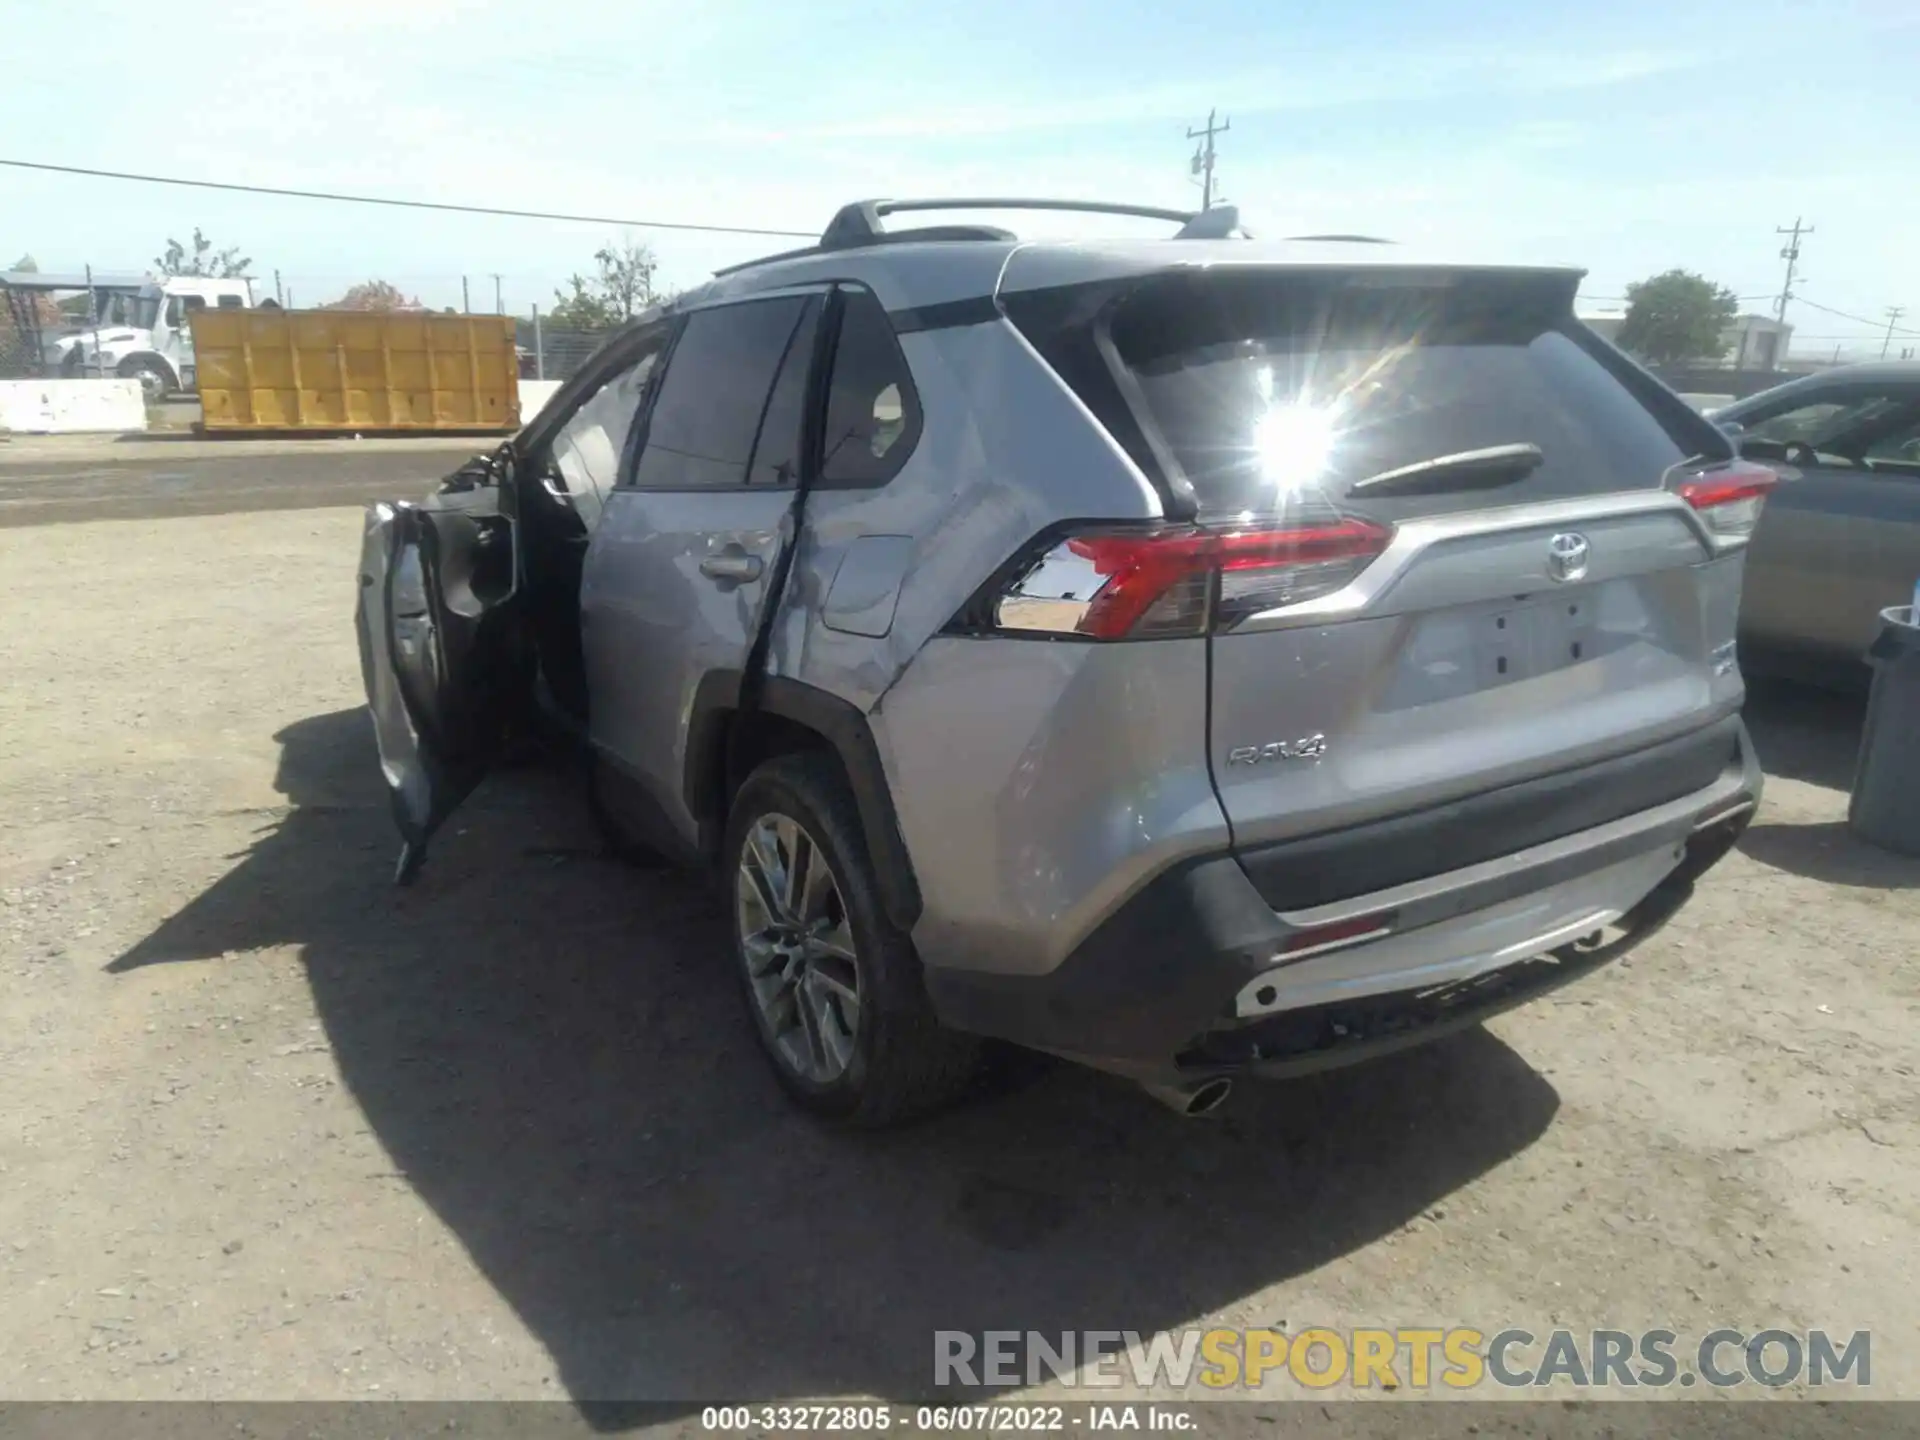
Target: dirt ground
272, 1129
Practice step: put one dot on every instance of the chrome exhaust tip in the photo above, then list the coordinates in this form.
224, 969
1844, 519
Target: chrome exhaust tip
1192, 1099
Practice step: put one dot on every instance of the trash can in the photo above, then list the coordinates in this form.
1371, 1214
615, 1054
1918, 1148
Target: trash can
1886, 783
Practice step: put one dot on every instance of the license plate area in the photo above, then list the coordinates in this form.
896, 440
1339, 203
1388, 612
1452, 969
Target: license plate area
1533, 637
1470, 649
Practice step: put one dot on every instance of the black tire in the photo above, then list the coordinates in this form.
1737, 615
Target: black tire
156, 381
904, 1062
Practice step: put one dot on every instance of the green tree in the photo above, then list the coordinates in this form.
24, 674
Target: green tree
621, 287
374, 295
202, 259
1676, 317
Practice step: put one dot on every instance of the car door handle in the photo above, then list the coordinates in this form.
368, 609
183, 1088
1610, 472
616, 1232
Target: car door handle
731, 565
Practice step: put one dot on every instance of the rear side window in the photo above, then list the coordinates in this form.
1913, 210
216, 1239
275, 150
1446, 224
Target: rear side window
1268, 390
702, 428
873, 414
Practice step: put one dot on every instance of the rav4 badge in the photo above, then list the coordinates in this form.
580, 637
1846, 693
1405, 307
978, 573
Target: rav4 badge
1308, 747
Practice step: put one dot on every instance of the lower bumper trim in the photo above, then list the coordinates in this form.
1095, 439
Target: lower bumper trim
1325, 1037
1151, 993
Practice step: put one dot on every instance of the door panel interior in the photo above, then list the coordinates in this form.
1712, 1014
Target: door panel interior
446, 656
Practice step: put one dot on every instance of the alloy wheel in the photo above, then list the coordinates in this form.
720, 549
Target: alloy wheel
798, 948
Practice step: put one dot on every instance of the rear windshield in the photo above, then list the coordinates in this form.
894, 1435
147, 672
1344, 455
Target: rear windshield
1267, 391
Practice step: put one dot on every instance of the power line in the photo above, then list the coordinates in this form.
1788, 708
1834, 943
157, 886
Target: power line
408, 204
1857, 319
1829, 310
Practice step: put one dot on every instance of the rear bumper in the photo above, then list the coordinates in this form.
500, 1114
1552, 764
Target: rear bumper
1193, 975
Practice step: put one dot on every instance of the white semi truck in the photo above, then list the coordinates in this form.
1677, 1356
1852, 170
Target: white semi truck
140, 330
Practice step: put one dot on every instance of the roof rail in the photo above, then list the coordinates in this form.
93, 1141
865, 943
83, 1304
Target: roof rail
859, 223
1339, 240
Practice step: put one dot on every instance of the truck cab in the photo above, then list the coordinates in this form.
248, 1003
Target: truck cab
143, 332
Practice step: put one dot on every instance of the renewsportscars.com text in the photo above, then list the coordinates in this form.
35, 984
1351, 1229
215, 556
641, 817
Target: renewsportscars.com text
1418, 1358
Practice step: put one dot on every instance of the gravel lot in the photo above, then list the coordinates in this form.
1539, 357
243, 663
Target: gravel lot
275, 1130
45, 479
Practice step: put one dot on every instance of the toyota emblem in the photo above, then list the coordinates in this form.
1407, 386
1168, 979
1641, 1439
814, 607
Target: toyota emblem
1567, 557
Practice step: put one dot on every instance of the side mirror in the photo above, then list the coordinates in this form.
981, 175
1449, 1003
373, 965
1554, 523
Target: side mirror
479, 471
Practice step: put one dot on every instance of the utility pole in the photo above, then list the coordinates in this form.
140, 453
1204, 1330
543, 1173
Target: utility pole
1203, 157
93, 319
466, 305
279, 298
1790, 254
1894, 312
499, 306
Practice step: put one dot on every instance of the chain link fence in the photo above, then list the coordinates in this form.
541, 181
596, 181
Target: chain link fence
17, 360
547, 353
22, 314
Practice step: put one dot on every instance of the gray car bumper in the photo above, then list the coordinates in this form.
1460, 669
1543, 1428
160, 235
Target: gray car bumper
1162, 989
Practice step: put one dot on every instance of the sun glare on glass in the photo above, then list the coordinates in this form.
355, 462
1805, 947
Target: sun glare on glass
1295, 443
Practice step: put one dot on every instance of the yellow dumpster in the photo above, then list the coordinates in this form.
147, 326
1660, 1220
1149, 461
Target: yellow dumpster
339, 370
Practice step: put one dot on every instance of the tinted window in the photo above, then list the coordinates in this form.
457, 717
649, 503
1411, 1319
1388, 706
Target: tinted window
1900, 445
1269, 391
1839, 426
776, 458
701, 431
873, 414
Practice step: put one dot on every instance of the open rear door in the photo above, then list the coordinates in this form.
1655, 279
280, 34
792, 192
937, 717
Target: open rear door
444, 649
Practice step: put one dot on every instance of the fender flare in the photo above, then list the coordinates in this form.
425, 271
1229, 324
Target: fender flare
846, 731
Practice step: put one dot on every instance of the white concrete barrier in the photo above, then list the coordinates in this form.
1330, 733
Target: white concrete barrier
533, 395
65, 407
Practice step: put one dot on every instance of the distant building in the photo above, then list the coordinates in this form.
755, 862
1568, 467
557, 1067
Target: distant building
1755, 342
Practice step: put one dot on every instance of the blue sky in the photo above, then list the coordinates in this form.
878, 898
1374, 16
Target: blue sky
1626, 139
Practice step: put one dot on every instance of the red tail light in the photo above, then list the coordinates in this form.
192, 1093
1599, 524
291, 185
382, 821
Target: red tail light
1113, 584
1729, 499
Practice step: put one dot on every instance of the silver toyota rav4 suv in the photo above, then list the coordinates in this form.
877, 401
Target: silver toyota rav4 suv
1191, 656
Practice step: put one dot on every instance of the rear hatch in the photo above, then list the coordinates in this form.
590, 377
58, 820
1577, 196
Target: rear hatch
1419, 666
